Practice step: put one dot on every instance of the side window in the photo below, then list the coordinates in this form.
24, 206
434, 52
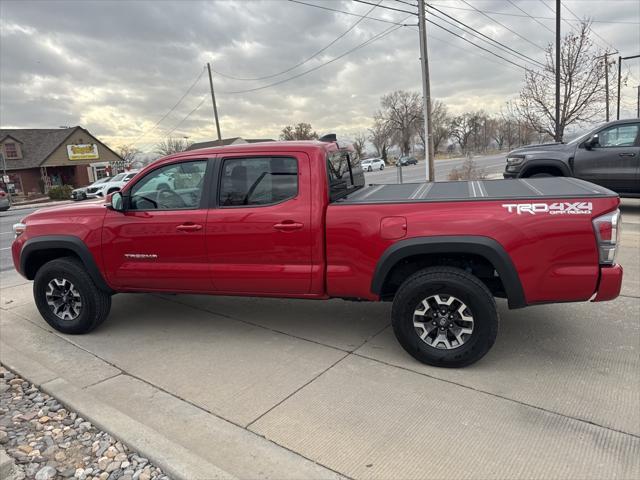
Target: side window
345, 173
619, 136
258, 181
172, 187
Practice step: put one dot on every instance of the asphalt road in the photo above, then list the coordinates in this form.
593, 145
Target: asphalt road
7, 219
493, 165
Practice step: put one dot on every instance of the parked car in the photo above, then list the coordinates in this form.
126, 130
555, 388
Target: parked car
295, 220
405, 161
5, 201
115, 184
90, 191
608, 155
370, 164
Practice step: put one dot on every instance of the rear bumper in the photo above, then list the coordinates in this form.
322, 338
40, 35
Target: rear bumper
610, 283
510, 174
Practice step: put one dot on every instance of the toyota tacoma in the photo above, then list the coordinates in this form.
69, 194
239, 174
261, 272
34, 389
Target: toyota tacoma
296, 220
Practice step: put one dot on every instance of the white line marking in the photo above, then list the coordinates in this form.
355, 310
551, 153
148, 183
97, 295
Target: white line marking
371, 192
426, 190
531, 186
472, 190
5, 248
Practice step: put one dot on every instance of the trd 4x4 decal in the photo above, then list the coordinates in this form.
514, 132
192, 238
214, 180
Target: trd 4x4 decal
558, 208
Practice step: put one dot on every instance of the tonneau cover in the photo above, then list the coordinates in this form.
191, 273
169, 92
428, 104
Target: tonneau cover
511, 189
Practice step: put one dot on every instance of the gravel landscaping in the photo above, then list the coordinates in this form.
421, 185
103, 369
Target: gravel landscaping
48, 441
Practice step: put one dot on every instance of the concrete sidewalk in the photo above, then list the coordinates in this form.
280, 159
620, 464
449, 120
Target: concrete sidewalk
267, 388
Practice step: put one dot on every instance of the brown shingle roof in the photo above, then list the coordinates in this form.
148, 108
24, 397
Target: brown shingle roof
37, 144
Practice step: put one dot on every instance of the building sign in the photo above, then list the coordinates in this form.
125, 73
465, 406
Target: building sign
83, 152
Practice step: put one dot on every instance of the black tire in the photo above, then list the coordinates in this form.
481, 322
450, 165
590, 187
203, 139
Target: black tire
95, 304
381, 167
369, 169
445, 281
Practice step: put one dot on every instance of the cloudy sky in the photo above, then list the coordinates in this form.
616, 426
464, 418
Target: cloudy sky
118, 67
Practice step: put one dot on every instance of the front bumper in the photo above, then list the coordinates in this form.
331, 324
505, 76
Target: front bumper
510, 174
610, 283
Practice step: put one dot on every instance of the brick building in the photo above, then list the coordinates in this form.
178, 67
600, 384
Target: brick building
36, 159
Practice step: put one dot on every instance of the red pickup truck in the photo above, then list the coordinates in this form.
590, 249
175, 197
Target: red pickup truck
295, 219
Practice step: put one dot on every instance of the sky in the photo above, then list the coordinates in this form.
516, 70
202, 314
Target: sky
133, 72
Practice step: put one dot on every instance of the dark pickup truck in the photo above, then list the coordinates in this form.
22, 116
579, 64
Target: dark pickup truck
608, 155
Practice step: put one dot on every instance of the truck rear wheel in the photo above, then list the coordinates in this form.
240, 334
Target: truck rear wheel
67, 298
444, 316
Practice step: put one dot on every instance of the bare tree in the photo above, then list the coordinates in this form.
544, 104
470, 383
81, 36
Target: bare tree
171, 145
582, 86
463, 129
301, 131
359, 144
380, 137
402, 111
128, 153
440, 125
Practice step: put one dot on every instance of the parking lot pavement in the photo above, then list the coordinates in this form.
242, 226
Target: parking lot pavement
269, 388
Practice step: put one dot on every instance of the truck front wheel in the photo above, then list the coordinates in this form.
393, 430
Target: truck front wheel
67, 298
444, 316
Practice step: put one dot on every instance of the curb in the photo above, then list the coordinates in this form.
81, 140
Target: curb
23, 206
173, 459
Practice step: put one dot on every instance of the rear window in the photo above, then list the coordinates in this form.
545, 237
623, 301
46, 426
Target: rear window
344, 173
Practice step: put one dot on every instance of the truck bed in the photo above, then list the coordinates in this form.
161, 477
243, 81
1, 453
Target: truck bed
529, 188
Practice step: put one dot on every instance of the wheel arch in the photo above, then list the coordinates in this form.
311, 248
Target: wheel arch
39, 250
483, 248
532, 167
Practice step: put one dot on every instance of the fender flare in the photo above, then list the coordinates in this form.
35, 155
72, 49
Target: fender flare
477, 245
66, 242
546, 162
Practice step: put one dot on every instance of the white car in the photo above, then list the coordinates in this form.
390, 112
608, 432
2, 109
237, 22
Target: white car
116, 183
371, 164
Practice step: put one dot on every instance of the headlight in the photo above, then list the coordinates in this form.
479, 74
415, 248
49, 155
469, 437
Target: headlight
515, 160
19, 228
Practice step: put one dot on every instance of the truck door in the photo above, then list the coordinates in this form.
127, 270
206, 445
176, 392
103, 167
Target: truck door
158, 242
614, 161
259, 234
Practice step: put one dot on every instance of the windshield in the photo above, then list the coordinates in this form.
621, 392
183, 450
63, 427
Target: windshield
118, 177
585, 135
102, 180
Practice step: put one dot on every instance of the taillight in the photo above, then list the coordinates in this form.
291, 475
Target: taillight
2, 194
607, 228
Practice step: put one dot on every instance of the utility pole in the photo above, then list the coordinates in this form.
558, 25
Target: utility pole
606, 83
619, 76
426, 93
213, 100
620, 59
638, 103
558, 7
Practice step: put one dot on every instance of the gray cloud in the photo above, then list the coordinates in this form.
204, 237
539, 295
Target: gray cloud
116, 67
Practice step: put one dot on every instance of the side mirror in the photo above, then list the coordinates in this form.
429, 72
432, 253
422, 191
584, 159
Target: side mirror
592, 142
115, 201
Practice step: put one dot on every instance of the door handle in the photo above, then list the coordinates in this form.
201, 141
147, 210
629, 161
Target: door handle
189, 227
627, 154
288, 226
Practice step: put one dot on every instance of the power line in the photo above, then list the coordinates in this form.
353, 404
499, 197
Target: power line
322, 7
171, 109
407, 3
531, 16
386, 7
502, 45
342, 35
502, 25
480, 47
376, 37
204, 97
607, 45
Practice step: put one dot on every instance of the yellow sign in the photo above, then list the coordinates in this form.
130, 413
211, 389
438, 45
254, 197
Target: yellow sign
83, 152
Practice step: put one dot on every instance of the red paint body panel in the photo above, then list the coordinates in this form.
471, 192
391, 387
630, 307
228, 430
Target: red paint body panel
334, 253
610, 283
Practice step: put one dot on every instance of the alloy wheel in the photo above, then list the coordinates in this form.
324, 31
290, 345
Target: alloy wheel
63, 299
443, 321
